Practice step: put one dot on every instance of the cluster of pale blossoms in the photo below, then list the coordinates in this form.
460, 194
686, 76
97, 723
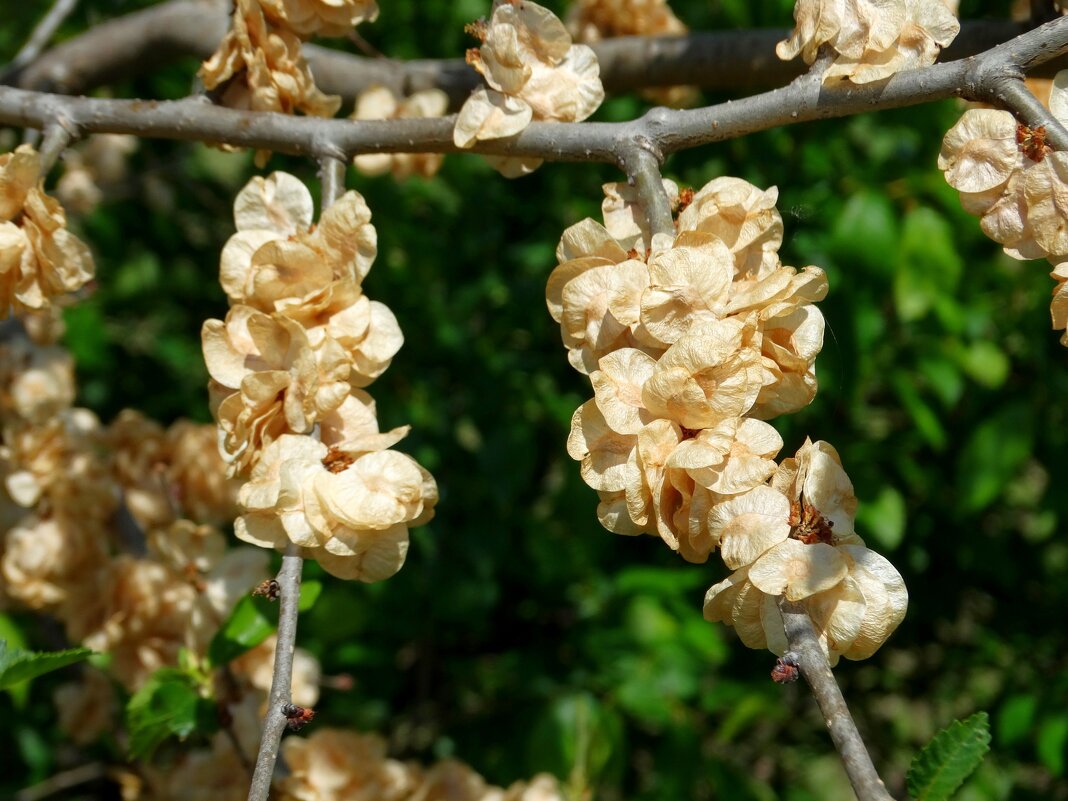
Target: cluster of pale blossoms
335, 765
870, 39
92, 167
287, 365
379, 103
259, 64
593, 20
1010, 179
39, 258
109, 529
534, 72
691, 342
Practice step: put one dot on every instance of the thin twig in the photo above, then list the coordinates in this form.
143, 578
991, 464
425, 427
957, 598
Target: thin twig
332, 178
56, 138
57, 783
1011, 92
665, 130
41, 35
804, 643
332, 174
643, 170
274, 723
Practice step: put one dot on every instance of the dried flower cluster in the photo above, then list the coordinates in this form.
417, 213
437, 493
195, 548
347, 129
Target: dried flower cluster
534, 72
320, 17
871, 39
1011, 179
298, 343
259, 66
333, 764
794, 537
68, 480
593, 20
40, 260
91, 168
691, 342
379, 103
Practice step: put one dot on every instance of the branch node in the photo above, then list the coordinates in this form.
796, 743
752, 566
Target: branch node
643, 171
57, 136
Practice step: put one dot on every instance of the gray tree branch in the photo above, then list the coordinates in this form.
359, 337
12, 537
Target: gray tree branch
643, 171
39, 38
804, 643
725, 60
664, 130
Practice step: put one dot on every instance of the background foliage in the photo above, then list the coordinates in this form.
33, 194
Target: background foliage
520, 636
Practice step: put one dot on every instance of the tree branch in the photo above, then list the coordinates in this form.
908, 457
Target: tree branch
56, 138
282, 678
65, 780
332, 177
664, 130
723, 60
643, 170
40, 36
803, 641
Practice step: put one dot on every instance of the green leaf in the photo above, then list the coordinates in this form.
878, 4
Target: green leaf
309, 594
10, 631
866, 233
246, 627
1052, 739
577, 738
994, 454
930, 266
950, 758
884, 517
17, 665
168, 705
985, 363
923, 416
1016, 718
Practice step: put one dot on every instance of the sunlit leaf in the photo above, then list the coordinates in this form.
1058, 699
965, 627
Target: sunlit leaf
17, 666
949, 759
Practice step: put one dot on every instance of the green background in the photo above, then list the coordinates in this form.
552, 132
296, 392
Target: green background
520, 636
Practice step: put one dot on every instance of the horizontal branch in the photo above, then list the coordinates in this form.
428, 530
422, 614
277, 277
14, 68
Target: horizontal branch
723, 60
665, 131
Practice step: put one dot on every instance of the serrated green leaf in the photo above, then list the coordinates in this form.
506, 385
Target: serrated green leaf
168, 705
247, 626
17, 665
10, 631
950, 758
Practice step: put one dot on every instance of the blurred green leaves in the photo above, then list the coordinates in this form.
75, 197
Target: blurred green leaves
170, 704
